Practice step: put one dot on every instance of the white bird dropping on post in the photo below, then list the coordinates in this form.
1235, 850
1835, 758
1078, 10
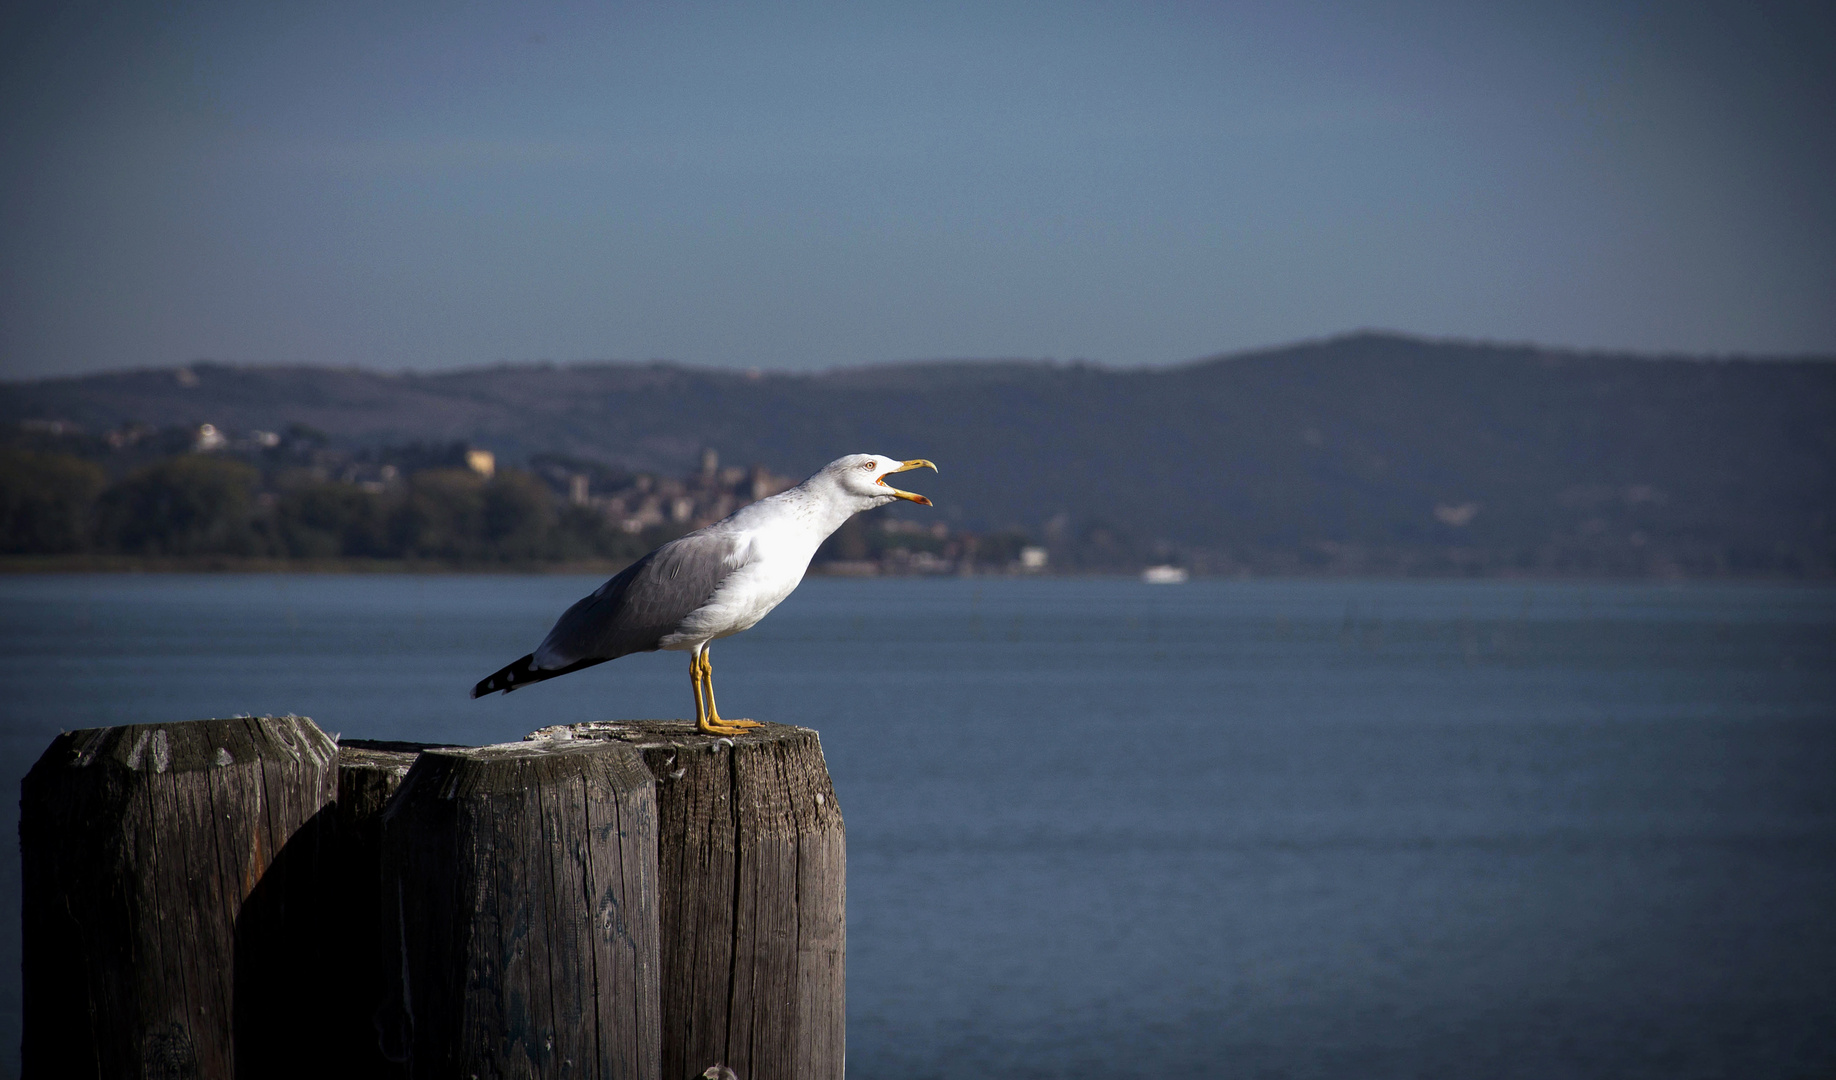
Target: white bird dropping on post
711, 583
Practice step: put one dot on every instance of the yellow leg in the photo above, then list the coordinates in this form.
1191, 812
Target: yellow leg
694, 677
711, 723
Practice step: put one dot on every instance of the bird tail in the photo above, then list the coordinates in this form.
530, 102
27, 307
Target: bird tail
520, 673
511, 676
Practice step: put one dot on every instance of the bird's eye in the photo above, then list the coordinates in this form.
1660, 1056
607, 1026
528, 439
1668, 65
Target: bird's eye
868, 465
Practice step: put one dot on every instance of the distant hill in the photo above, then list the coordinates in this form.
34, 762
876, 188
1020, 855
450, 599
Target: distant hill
1365, 453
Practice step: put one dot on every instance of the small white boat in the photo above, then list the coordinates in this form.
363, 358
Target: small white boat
1164, 575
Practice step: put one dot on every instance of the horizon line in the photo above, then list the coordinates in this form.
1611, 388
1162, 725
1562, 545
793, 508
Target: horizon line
1069, 363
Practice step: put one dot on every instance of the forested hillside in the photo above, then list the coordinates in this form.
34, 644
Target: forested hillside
1370, 453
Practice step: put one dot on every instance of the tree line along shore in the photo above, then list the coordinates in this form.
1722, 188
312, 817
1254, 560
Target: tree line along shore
201, 498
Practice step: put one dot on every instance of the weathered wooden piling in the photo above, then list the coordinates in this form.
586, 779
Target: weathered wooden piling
519, 917
369, 773
173, 882
627, 900
752, 875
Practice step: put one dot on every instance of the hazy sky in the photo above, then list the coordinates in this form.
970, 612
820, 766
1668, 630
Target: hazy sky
404, 185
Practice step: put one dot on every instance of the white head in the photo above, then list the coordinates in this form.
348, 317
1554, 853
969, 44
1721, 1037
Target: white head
862, 479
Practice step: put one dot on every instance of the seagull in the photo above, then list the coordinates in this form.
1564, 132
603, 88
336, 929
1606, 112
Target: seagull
710, 584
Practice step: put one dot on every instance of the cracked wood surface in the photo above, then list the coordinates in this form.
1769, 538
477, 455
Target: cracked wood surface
523, 936
752, 857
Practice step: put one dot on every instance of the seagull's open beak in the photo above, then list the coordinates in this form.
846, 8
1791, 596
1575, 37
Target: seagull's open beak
915, 463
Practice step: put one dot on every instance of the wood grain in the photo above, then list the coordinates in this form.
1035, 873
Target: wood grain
523, 936
752, 855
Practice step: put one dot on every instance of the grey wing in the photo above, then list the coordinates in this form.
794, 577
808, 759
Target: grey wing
643, 604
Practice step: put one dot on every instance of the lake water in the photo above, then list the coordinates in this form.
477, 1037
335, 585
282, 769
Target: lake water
1103, 829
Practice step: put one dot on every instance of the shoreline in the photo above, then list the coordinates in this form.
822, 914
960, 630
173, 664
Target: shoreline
23, 565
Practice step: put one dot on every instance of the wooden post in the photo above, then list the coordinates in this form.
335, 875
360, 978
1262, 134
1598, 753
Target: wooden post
753, 899
519, 899
172, 878
369, 773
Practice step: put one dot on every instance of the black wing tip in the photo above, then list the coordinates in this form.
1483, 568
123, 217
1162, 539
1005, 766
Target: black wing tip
504, 680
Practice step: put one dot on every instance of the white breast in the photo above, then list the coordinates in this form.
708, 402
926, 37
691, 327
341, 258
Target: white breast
769, 563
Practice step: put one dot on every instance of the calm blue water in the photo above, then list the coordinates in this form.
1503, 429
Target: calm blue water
1103, 829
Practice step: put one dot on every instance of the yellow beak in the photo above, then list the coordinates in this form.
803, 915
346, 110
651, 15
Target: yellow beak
915, 463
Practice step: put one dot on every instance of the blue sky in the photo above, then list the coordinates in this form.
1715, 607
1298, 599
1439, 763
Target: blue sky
808, 185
